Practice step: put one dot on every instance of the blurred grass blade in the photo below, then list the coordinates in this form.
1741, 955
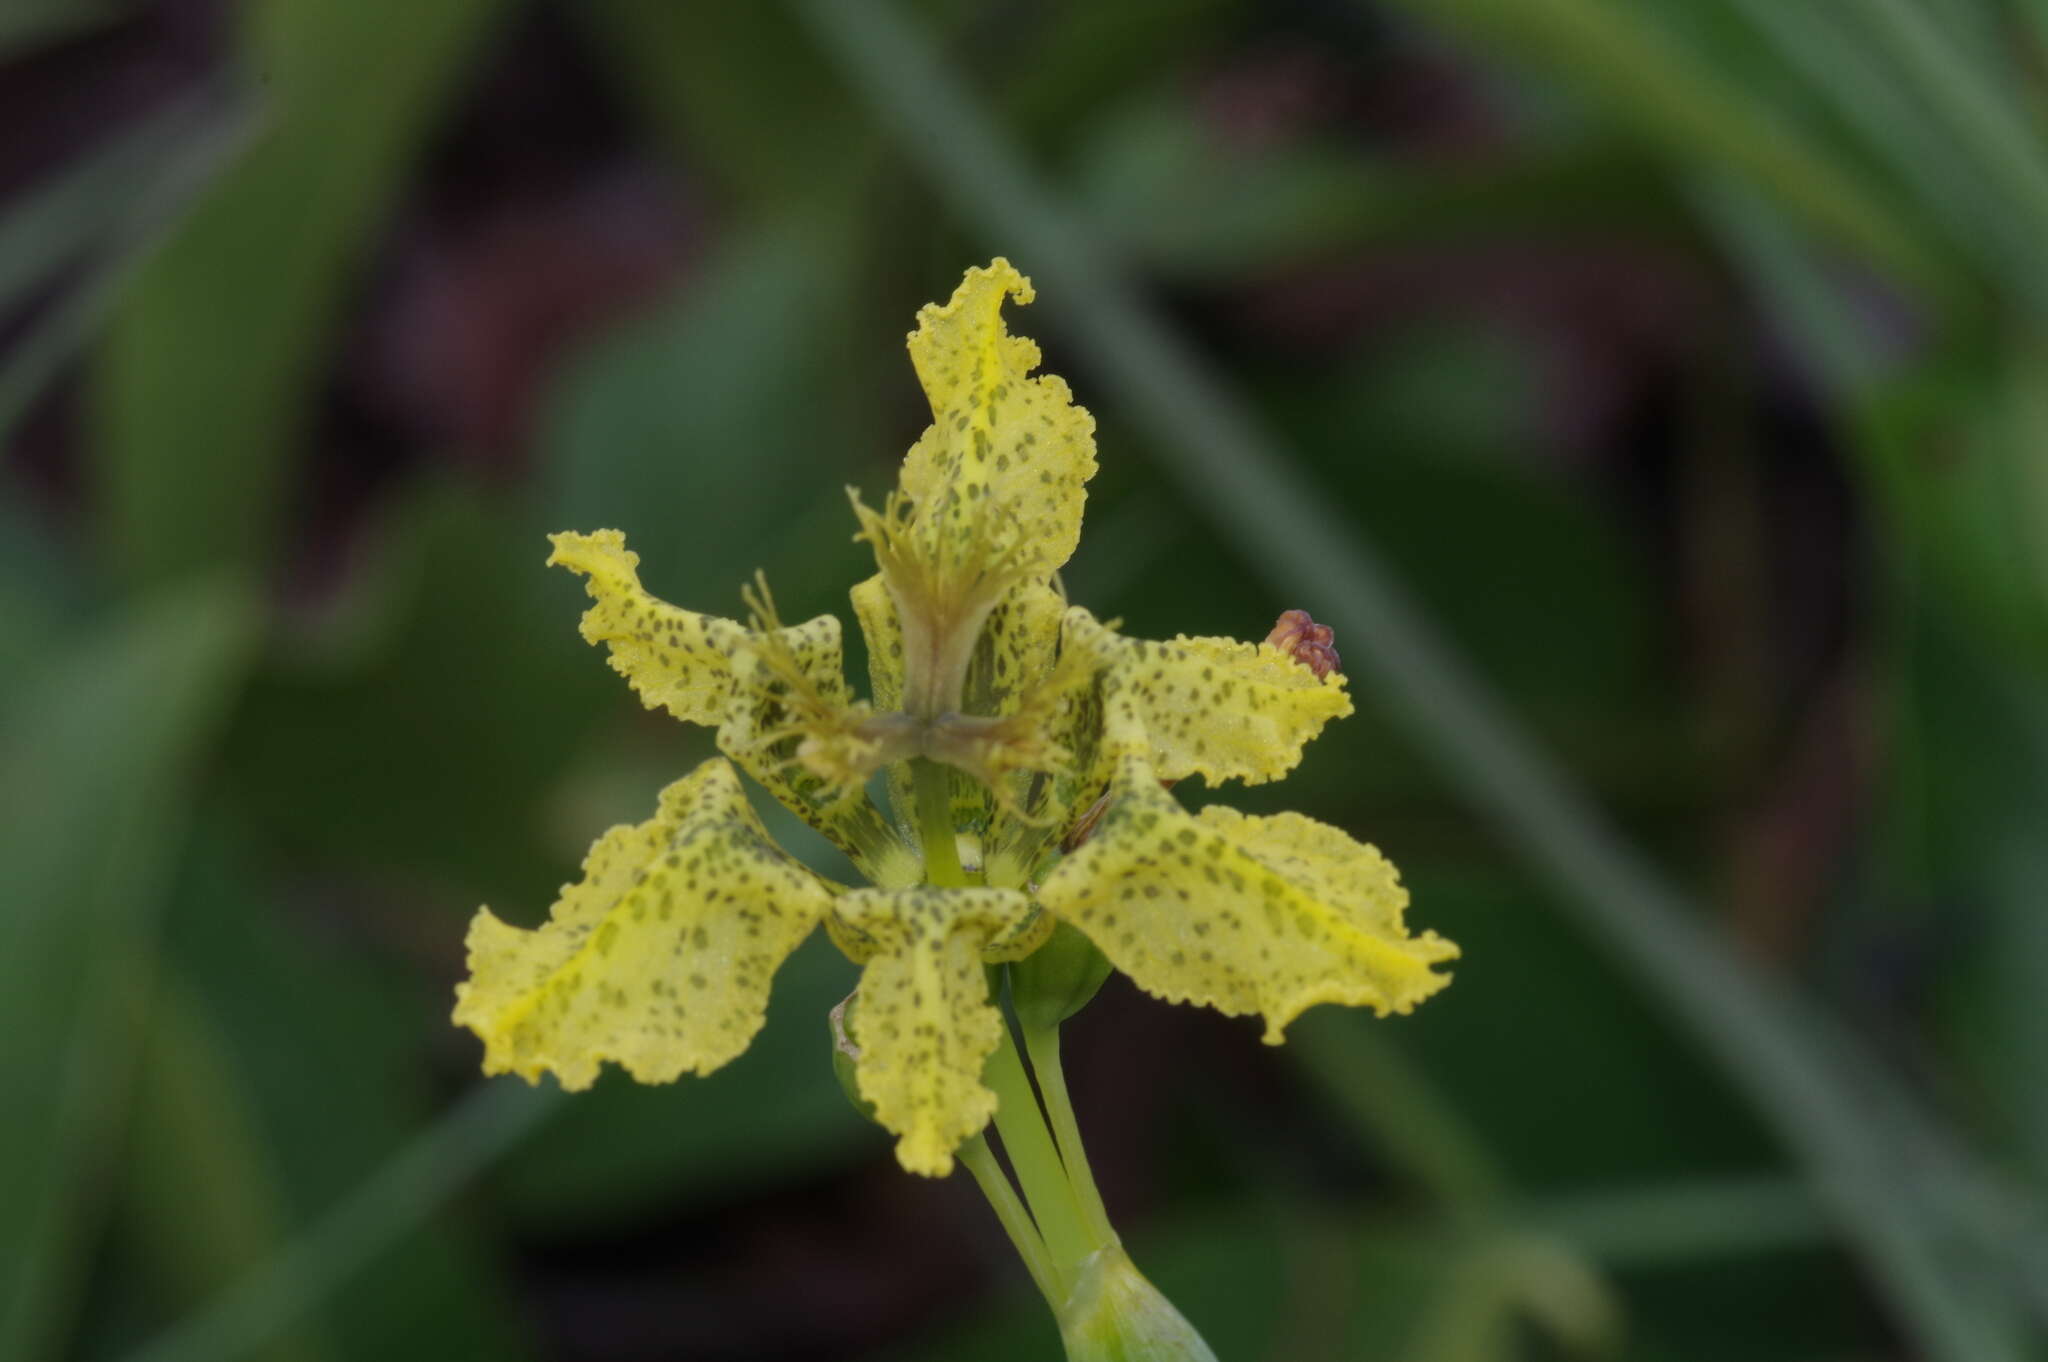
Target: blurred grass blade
97, 200
1830, 49
93, 762
1654, 85
1771, 1043
411, 1187
1964, 97
290, 1017
1509, 1277
1396, 1109
105, 212
219, 341
1794, 290
1680, 1223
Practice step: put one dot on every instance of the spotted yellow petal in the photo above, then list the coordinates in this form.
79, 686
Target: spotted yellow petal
676, 659
1268, 915
1006, 456
990, 495
1219, 708
924, 1024
875, 610
876, 614
659, 958
1015, 653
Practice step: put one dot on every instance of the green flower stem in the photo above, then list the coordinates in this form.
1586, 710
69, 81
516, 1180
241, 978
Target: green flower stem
1054, 1203
1017, 1223
1042, 1045
934, 789
1034, 1156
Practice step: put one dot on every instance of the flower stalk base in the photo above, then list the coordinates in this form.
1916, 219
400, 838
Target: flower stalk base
1105, 1308
1112, 1314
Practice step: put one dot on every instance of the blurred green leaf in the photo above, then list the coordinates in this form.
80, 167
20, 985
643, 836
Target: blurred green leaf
201, 1196
431, 744
679, 428
1398, 1108
328, 1048
1371, 431
447, 695
1960, 845
1060, 70
407, 1189
1952, 456
41, 594
219, 342
1631, 1104
97, 753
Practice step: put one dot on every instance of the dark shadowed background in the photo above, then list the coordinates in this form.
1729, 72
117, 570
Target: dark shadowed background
1653, 393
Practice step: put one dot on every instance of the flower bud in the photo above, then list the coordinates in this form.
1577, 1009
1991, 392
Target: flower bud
1114, 1315
1056, 980
1301, 638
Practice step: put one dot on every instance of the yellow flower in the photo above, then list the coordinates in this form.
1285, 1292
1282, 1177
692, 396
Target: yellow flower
1027, 747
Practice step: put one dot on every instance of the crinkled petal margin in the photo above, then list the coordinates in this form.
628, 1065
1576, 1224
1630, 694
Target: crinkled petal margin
1267, 915
660, 958
924, 1024
675, 659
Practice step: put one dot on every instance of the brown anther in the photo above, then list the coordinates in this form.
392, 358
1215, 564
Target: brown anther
1085, 826
1309, 643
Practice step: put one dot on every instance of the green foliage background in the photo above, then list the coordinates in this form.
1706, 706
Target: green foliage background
1717, 735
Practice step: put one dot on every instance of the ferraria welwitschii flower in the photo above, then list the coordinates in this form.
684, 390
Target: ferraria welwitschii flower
1028, 750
